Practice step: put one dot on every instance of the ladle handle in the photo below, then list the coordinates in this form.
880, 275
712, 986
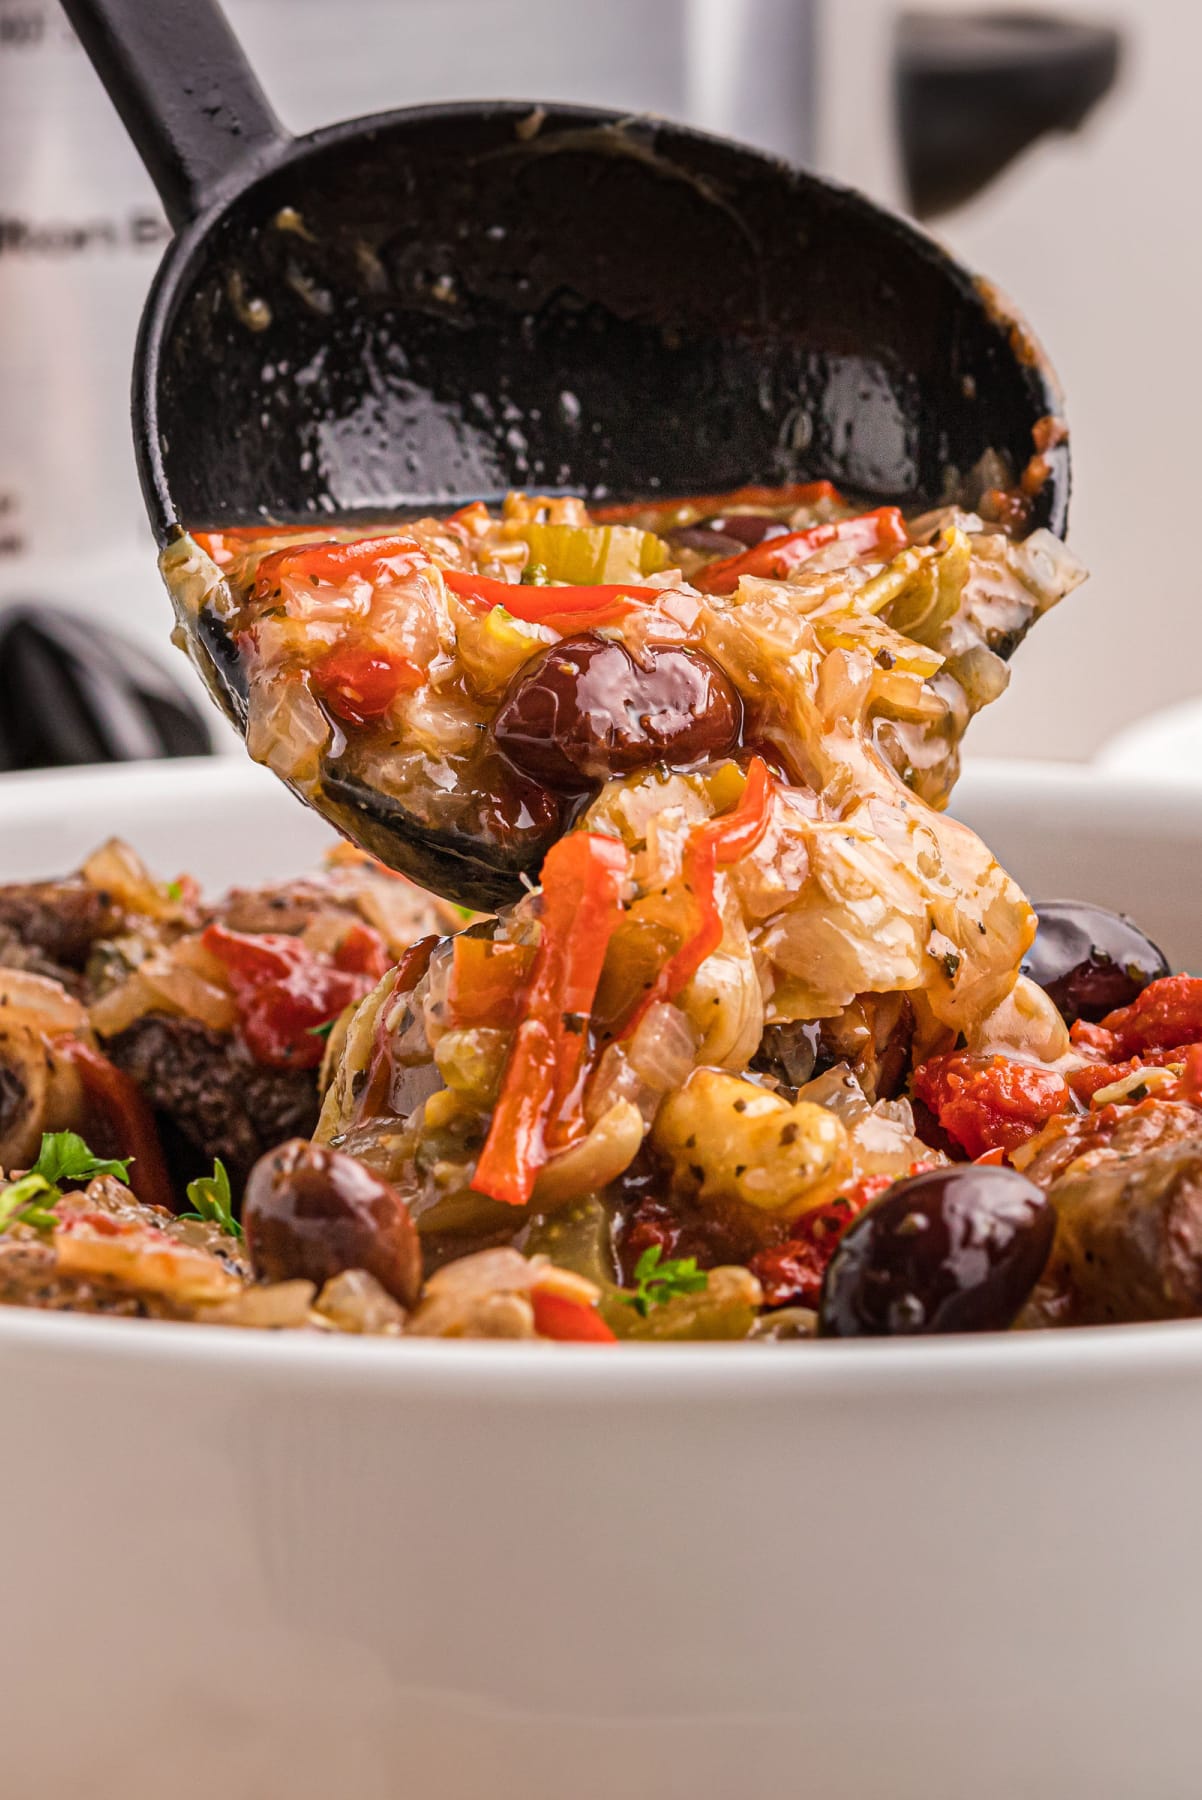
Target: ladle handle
185, 92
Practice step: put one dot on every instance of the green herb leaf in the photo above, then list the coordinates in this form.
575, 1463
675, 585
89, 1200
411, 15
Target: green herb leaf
175, 891
321, 1031
535, 575
657, 1281
24, 1202
465, 912
211, 1197
65, 1157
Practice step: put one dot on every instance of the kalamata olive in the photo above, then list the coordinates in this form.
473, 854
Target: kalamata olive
727, 534
587, 708
1090, 961
956, 1249
309, 1213
747, 529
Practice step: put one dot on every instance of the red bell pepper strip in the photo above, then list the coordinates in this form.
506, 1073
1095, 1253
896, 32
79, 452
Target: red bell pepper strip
717, 844
777, 558
568, 1321
372, 559
582, 882
808, 493
564, 609
129, 1117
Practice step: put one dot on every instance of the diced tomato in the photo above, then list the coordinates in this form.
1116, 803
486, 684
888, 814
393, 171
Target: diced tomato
360, 951
1092, 1039
568, 1321
718, 843
488, 981
1088, 1081
360, 682
127, 1114
582, 881
777, 558
1166, 1015
792, 1273
286, 992
1190, 1084
990, 1102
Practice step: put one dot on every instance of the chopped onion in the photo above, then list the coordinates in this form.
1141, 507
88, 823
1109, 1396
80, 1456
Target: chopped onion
181, 989
117, 870
286, 728
117, 1010
662, 1049
48, 1004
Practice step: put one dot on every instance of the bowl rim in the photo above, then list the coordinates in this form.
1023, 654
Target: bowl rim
995, 1366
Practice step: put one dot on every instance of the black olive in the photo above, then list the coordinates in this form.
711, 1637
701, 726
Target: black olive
749, 529
727, 534
955, 1249
1089, 961
587, 708
310, 1213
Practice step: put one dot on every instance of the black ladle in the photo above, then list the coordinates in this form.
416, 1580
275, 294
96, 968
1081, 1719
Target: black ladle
434, 305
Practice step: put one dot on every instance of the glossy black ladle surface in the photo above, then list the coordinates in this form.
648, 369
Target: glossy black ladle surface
434, 305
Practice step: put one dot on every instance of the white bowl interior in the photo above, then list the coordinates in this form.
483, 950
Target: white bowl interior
1065, 831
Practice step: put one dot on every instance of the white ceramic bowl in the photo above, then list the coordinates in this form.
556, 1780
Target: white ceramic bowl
267, 1568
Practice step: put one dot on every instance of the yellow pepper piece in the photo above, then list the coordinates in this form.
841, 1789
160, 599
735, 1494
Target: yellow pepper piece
585, 555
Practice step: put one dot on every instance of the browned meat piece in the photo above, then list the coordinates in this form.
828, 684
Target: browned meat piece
1089, 1139
1126, 1183
207, 1090
49, 927
286, 909
401, 912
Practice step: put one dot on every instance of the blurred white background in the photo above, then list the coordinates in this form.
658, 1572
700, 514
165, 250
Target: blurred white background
1094, 234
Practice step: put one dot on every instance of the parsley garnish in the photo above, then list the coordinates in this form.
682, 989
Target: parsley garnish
465, 912
658, 1281
535, 575
175, 891
210, 1195
63, 1157
26, 1203
321, 1031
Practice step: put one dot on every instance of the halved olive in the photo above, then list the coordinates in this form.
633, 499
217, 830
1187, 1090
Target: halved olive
1089, 961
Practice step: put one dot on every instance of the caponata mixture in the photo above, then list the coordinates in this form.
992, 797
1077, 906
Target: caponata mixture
768, 1046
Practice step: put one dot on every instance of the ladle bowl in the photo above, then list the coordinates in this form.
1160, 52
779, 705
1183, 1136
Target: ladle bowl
434, 305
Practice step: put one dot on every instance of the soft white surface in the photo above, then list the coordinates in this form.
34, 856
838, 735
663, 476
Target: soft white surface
1165, 742
282, 1569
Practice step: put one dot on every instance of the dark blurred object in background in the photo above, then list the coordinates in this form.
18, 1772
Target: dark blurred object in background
974, 89
73, 693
